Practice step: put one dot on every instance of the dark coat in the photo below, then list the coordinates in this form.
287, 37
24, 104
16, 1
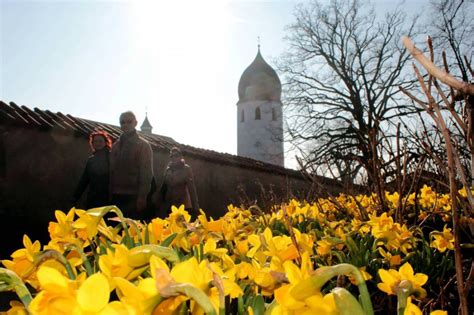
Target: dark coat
131, 164
178, 189
96, 176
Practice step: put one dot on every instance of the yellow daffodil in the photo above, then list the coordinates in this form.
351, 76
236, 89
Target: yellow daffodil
115, 263
137, 299
245, 270
22, 262
392, 199
228, 278
16, 308
264, 279
267, 252
443, 241
190, 271
365, 275
281, 246
359, 226
60, 295
393, 260
305, 241
324, 247
216, 226
62, 229
391, 279
321, 305
210, 248
157, 230
427, 197
86, 225
242, 246
411, 309
178, 217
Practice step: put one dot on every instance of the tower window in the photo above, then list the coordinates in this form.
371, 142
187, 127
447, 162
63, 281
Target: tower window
274, 114
257, 113
242, 116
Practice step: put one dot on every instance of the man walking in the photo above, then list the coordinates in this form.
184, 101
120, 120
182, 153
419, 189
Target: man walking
131, 169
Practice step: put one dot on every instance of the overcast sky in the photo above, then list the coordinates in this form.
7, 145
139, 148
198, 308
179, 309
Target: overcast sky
179, 60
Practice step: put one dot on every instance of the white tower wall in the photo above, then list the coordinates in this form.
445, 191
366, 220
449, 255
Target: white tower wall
260, 139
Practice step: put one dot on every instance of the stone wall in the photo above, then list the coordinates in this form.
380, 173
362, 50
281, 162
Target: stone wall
40, 170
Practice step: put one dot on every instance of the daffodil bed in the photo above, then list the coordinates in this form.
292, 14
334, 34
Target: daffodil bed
298, 258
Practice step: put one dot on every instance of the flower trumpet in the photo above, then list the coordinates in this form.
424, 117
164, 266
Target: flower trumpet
187, 289
140, 256
346, 303
313, 285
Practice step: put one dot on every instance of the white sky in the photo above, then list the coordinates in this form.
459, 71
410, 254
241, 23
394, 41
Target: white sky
180, 60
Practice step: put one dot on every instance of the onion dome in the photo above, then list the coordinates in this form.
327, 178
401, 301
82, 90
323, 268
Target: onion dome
259, 82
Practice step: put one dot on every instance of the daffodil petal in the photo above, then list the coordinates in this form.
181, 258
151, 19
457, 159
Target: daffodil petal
93, 295
51, 279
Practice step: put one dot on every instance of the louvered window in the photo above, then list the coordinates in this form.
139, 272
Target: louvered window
257, 113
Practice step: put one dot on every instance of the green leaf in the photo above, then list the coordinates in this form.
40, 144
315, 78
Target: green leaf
167, 242
258, 305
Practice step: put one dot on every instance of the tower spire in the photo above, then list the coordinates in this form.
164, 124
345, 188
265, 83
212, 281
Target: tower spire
258, 43
146, 126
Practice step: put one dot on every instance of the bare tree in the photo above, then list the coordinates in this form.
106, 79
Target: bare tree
451, 27
452, 30
454, 169
342, 73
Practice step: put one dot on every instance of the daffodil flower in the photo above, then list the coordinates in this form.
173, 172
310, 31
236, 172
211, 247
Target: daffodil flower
86, 225
62, 229
442, 241
22, 262
210, 248
392, 278
60, 295
16, 308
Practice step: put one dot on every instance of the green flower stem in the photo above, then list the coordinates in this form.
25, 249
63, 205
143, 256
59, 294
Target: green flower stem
363, 292
9, 281
313, 285
54, 254
88, 266
100, 212
183, 309
24, 295
403, 290
86, 261
240, 305
70, 272
192, 292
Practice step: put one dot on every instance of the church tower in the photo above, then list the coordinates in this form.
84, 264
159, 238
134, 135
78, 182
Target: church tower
259, 113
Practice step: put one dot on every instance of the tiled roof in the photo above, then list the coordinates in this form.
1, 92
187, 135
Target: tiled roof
22, 116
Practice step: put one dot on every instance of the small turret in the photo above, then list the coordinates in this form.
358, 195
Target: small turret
146, 126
